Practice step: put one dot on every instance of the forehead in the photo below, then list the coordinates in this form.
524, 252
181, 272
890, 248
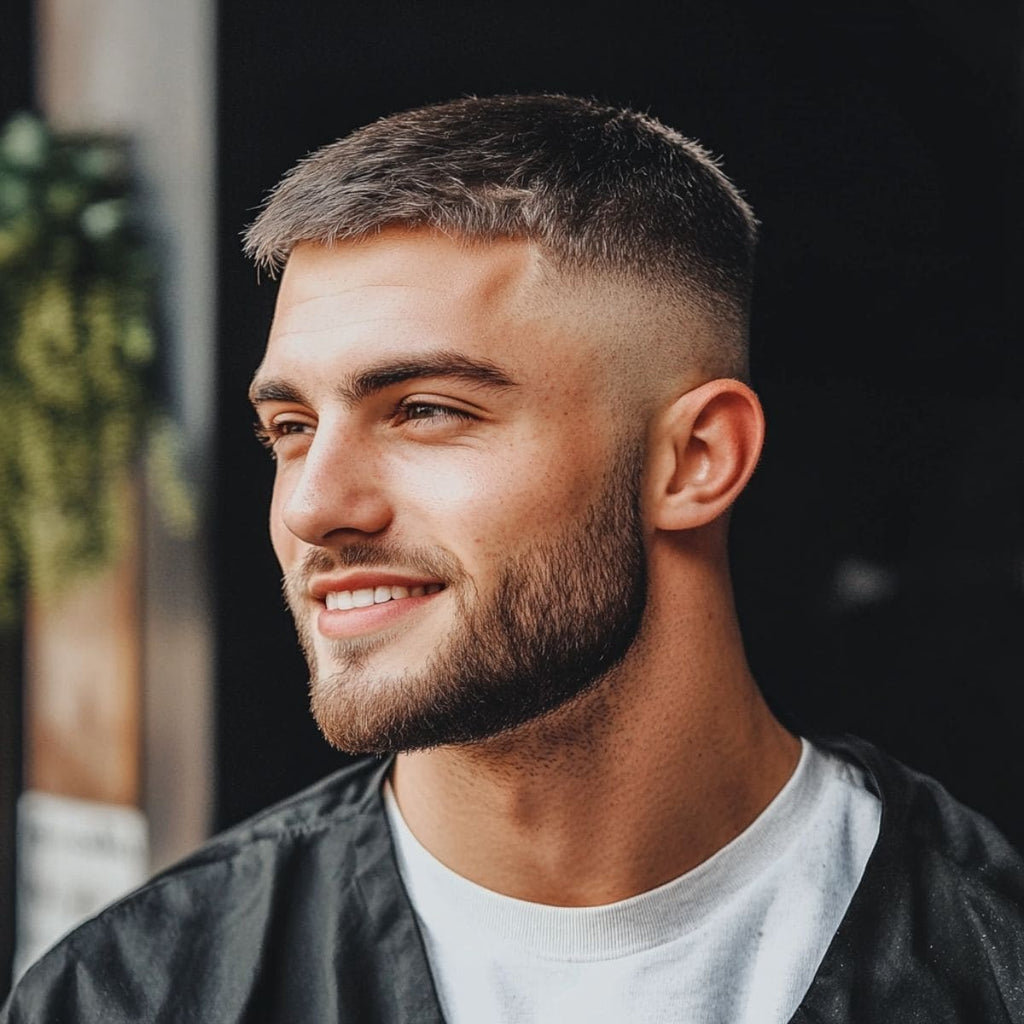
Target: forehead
412, 258
409, 287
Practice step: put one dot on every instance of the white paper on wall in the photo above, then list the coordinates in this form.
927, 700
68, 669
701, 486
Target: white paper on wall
74, 857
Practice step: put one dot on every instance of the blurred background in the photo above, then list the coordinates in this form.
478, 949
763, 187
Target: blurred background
150, 688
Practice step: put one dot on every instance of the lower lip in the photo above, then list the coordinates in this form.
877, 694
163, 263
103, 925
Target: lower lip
335, 624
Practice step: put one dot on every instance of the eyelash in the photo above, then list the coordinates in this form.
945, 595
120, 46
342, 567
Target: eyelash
268, 434
439, 412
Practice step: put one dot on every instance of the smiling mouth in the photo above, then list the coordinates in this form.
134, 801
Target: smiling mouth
343, 600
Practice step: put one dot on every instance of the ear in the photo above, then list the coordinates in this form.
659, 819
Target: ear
705, 447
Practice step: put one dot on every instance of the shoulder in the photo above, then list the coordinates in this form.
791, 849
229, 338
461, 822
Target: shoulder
921, 818
937, 921
197, 933
273, 845
328, 804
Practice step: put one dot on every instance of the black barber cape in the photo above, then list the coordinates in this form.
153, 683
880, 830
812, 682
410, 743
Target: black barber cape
299, 915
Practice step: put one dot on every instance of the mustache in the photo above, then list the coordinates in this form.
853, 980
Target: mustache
360, 555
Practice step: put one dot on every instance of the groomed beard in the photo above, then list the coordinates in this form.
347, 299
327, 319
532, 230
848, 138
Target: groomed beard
561, 616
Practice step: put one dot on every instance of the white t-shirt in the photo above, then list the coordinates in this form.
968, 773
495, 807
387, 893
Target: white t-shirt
737, 940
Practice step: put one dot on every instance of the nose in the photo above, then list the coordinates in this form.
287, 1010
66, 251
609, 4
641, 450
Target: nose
337, 488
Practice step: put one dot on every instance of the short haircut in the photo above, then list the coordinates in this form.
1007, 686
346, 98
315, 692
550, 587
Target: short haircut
597, 188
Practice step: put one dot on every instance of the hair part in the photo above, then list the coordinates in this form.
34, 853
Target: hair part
597, 188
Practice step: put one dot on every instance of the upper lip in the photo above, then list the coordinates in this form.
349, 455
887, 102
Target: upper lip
366, 579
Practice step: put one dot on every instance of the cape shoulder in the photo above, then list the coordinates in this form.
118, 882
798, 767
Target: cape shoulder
277, 910
935, 930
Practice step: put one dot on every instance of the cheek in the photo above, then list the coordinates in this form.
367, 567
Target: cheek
501, 502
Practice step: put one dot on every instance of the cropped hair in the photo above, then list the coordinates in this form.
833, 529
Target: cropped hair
597, 188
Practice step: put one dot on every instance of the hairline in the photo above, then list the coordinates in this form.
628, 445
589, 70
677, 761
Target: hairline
686, 304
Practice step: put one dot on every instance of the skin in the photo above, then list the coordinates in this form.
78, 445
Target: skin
674, 752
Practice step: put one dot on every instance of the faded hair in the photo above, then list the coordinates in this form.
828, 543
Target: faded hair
597, 188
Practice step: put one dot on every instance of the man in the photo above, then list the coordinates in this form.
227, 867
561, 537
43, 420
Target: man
505, 389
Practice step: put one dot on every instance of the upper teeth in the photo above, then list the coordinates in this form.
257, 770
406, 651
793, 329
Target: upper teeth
342, 600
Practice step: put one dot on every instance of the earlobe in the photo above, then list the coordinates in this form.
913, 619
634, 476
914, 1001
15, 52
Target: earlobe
709, 441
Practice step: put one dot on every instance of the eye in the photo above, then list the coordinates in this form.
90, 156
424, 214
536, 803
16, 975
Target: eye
269, 434
419, 411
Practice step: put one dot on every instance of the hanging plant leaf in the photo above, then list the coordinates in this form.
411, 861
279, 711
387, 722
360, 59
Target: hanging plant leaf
77, 347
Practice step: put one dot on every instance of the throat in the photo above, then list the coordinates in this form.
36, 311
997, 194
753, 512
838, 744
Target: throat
581, 816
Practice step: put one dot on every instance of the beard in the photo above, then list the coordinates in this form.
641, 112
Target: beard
562, 615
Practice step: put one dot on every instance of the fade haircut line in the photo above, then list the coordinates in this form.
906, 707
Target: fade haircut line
597, 188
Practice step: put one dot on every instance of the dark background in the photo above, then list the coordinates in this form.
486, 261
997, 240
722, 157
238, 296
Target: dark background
879, 552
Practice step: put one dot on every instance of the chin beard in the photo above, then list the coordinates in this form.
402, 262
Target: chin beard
561, 616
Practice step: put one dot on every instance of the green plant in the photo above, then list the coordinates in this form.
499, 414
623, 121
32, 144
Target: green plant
77, 348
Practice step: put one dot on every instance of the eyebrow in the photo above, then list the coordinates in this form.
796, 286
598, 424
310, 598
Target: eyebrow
480, 373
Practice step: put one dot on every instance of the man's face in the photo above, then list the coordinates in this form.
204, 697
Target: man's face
456, 504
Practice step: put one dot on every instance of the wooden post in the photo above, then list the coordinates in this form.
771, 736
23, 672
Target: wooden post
82, 658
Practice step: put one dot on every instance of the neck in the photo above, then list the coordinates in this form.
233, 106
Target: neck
665, 761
